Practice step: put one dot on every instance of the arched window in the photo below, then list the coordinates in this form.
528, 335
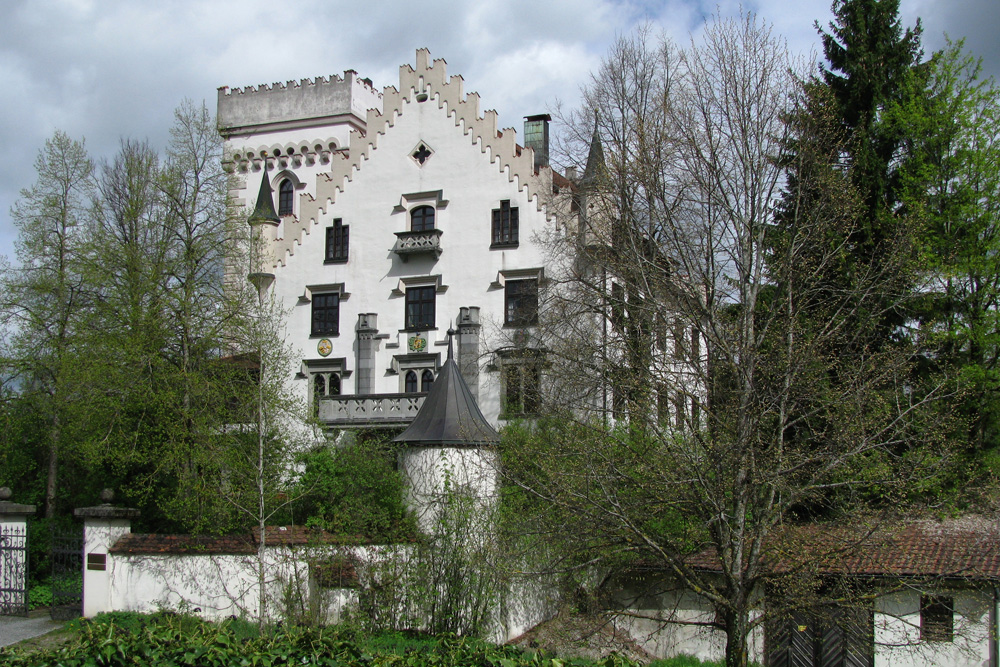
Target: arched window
422, 219
426, 380
411, 382
285, 197
333, 385
319, 391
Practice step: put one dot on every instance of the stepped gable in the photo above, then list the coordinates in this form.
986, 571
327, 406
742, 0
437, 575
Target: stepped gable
428, 78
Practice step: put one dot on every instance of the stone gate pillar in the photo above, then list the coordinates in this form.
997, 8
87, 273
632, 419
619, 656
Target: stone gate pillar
102, 526
13, 555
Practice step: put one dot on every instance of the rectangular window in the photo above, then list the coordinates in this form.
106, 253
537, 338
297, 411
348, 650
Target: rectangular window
325, 314
337, 238
505, 223
420, 307
937, 618
522, 384
521, 302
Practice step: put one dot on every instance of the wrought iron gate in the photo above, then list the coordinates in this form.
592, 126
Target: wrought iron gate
67, 574
13, 570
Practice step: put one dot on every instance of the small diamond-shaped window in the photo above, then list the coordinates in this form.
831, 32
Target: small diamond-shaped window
421, 153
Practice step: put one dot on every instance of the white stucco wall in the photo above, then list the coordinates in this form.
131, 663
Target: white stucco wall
222, 585
433, 474
675, 622
897, 631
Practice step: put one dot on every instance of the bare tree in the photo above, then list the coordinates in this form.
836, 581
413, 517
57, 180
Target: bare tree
694, 291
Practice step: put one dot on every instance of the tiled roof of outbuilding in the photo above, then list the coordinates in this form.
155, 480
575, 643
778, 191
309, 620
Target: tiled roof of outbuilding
244, 543
967, 548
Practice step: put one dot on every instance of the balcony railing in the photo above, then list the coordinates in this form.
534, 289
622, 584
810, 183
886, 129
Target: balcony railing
370, 410
415, 243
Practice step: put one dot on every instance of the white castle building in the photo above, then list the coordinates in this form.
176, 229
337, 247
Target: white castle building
400, 214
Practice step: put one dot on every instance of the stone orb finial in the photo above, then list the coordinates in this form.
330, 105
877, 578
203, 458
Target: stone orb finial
107, 495
5, 493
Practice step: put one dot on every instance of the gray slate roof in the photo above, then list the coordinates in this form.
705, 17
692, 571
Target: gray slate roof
449, 415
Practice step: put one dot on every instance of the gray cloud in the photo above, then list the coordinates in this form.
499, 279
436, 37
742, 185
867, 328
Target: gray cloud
103, 69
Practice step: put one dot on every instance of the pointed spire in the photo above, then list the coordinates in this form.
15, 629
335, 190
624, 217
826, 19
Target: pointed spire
263, 210
595, 159
451, 334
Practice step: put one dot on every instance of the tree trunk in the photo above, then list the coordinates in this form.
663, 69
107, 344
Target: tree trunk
737, 631
50, 484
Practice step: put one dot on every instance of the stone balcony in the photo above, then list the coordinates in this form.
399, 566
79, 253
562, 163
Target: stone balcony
418, 243
371, 410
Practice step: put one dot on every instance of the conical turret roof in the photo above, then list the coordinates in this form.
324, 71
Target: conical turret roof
263, 210
449, 415
595, 158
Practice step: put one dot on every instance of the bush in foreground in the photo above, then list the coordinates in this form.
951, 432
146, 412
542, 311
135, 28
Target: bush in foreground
166, 639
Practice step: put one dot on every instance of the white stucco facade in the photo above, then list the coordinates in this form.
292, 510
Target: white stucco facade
423, 145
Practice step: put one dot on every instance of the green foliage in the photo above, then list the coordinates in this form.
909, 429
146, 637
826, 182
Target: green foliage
39, 595
541, 494
951, 180
168, 639
355, 490
450, 580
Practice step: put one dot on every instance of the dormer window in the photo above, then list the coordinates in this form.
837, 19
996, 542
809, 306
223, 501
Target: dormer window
422, 219
285, 191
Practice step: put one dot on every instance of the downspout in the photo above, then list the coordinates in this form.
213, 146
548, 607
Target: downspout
994, 629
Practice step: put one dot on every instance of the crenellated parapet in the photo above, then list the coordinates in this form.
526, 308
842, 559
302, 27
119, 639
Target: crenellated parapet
293, 104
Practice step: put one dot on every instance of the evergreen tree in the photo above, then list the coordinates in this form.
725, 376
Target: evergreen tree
872, 61
873, 67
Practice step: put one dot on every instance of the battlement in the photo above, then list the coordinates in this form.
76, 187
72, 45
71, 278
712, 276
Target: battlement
303, 103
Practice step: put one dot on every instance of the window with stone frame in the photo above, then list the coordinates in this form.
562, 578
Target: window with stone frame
417, 380
324, 385
937, 618
420, 307
505, 225
522, 381
521, 302
325, 314
422, 219
286, 193
337, 241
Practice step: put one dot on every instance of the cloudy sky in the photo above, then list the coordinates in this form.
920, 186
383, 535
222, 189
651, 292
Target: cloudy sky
104, 69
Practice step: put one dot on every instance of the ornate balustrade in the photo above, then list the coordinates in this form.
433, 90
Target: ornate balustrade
414, 243
371, 410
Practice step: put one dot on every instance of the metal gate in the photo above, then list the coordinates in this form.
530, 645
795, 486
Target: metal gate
67, 574
13, 570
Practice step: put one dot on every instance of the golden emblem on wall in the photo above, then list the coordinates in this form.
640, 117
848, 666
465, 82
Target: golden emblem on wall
417, 343
324, 347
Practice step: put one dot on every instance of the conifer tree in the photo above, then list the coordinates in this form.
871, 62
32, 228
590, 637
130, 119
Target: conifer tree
873, 67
